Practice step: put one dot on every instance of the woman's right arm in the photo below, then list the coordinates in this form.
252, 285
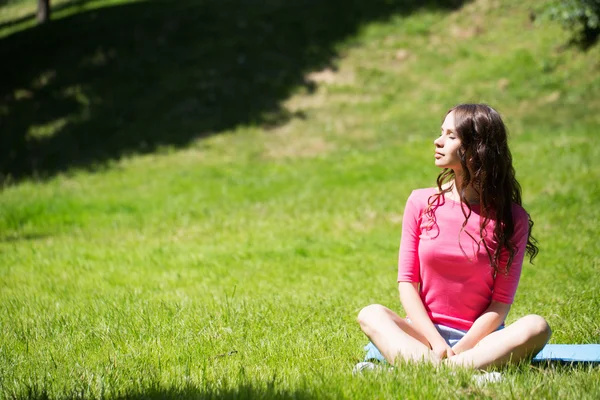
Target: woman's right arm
415, 311
409, 276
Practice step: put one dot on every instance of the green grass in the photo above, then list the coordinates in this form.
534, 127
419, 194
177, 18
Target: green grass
156, 244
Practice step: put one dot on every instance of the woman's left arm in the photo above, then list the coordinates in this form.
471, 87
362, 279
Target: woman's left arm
488, 322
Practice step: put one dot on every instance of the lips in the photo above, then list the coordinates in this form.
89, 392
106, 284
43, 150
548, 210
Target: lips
438, 155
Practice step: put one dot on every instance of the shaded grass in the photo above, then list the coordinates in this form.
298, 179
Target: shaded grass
107, 79
234, 267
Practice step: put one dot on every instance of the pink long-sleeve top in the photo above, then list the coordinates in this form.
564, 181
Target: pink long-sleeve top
457, 282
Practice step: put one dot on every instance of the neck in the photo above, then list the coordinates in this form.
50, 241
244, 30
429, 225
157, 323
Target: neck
470, 193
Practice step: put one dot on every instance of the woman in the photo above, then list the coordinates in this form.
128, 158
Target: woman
463, 244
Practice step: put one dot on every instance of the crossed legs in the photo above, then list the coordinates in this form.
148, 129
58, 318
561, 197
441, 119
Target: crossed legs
397, 339
520, 340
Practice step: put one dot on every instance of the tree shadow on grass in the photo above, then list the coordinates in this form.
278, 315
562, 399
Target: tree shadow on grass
245, 391
127, 79
33, 16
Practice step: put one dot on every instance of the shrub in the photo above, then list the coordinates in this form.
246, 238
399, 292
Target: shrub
582, 17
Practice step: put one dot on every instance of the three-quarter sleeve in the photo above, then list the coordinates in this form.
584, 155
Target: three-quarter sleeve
505, 286
408, 257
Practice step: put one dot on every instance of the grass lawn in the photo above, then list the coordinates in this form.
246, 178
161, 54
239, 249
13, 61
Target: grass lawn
200, 196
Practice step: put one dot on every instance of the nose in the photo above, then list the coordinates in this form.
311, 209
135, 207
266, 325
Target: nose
438, 142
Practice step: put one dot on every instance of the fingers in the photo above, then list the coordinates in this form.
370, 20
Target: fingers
447, 352
443, 352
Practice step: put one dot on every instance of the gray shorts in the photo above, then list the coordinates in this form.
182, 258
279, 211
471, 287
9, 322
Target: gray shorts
450, 335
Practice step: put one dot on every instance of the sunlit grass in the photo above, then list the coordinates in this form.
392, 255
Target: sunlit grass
235, 266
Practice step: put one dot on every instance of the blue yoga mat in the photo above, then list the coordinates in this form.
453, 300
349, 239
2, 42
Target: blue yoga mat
585, 353
566, 353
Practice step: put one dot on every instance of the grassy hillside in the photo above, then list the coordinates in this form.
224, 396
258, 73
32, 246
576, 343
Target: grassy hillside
200, 196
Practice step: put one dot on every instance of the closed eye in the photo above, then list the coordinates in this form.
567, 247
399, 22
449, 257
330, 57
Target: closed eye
449, 133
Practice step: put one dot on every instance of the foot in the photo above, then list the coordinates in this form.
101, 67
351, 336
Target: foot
365, 366
487, 377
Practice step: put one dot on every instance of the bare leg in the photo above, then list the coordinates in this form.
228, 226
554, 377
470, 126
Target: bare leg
516, 342
393, 336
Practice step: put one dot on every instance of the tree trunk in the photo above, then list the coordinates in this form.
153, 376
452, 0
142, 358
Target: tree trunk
43, 12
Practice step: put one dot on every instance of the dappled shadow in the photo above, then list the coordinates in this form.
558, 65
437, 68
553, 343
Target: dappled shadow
22, 237
101, 84
72, 4
587, 38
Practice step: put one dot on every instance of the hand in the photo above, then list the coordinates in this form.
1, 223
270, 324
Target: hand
442, 350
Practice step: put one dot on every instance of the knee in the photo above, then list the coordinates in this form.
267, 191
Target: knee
538, 328
370, 313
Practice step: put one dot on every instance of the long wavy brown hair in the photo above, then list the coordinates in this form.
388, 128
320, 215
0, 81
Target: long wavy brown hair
487, 166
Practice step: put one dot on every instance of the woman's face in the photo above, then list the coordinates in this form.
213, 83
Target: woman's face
448, 145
